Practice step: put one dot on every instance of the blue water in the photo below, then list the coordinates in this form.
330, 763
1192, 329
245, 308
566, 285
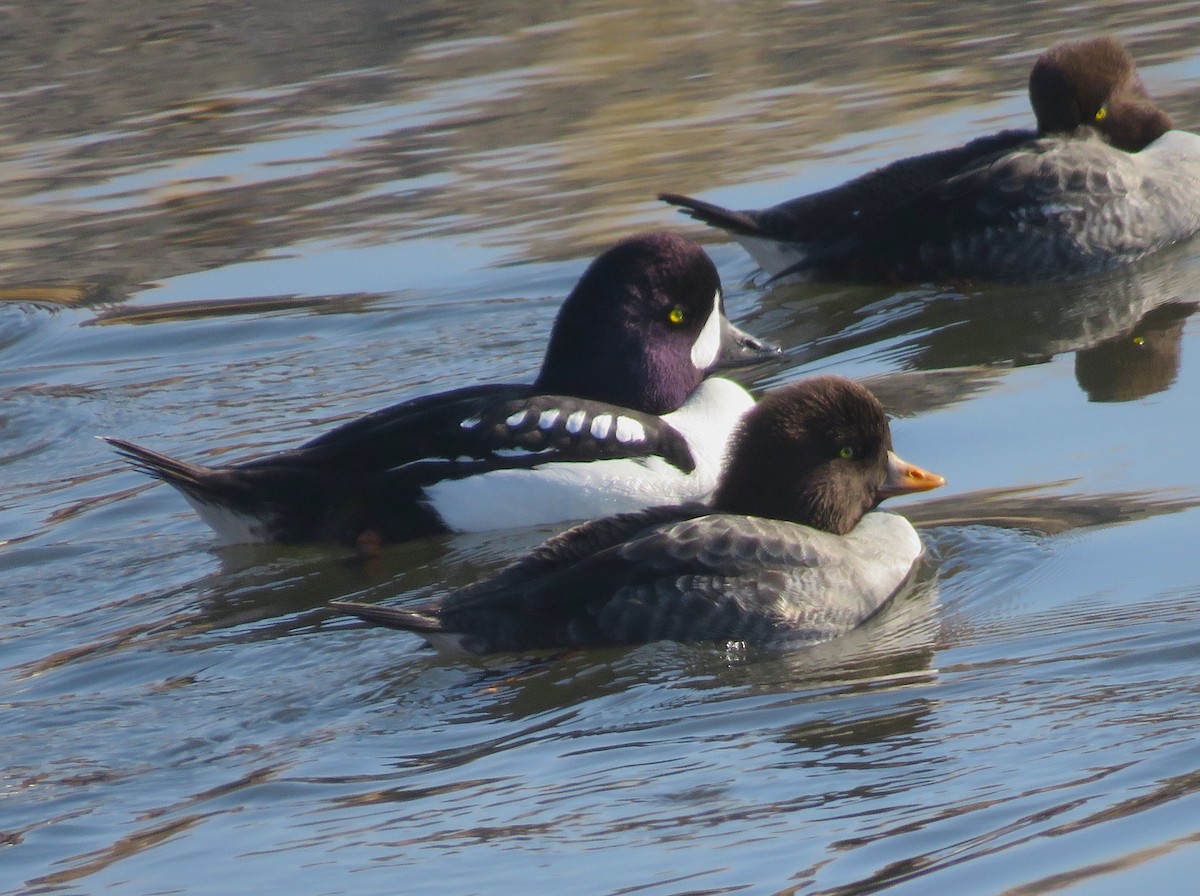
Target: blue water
227, 228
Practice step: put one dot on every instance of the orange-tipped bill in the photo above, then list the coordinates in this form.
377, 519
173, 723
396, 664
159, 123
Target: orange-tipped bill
904, 478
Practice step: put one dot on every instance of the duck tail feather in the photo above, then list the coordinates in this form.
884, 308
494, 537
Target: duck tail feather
714, 215
390, 617
189, 477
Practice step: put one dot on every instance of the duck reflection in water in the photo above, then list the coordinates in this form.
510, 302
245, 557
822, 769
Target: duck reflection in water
1125, 326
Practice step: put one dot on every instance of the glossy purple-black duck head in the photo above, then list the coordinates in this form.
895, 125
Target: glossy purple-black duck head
1095, 83
643, 327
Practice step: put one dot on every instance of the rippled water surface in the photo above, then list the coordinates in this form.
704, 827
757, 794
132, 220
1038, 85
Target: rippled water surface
227, 226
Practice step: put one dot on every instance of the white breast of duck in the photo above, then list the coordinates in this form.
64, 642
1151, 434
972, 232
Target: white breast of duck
558, 492
1172, 173
849, 577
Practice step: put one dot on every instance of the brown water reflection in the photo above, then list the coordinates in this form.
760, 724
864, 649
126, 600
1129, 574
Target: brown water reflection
130, 126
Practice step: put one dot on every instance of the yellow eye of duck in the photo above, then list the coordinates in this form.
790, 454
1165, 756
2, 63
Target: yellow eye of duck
1101, 113
676, 316
846, 452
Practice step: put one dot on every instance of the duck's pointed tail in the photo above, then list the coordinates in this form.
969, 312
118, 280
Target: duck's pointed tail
714, 215
390, 617
237, 510
189, 478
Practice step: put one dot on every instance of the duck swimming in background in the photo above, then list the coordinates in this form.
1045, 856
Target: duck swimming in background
1102, 182
789, 550
623, 415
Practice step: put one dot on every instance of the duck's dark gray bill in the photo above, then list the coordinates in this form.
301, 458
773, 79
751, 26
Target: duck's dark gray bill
740, 349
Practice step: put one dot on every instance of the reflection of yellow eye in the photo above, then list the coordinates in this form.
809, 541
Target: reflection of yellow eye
676, 316
847, 452
1101, 113
1138, 340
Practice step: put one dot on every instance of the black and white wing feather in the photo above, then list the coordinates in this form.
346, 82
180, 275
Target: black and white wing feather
500, 427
